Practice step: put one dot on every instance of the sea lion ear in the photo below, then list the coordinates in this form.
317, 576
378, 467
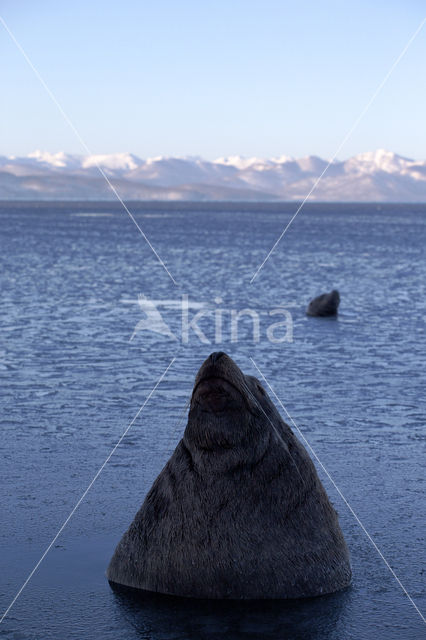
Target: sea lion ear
261, 389
257, 384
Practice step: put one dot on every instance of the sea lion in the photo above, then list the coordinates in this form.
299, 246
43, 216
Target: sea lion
324, 305
239, 511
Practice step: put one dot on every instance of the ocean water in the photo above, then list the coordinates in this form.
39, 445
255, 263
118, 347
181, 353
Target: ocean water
77, 361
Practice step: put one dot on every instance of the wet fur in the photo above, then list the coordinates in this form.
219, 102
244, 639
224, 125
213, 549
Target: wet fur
237, 512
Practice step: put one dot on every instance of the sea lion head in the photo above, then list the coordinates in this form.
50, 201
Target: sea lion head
228, 412
326, 304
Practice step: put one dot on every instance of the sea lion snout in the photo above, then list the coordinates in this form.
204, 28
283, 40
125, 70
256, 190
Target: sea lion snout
216, 394
214, 357
220, 365
335, 295
218, 385
222, 408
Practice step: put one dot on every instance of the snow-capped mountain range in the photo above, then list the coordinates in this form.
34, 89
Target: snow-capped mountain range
373, 176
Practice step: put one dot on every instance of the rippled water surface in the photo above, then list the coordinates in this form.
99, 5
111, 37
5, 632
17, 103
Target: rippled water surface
72, 380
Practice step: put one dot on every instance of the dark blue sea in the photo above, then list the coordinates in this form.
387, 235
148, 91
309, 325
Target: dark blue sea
89, 322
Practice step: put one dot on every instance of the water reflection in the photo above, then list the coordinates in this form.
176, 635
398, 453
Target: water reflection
156, 617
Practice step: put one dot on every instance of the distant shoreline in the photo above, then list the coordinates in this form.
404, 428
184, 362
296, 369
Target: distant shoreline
209, 203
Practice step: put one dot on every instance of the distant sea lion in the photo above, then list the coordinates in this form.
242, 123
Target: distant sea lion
238, 512
324, 305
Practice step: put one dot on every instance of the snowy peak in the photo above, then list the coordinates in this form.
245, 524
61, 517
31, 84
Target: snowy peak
371, 176
54, 159
61, 160
114, 161
379, 160
239, 162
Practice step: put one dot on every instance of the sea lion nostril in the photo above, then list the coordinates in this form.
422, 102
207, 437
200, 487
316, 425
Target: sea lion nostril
214, 357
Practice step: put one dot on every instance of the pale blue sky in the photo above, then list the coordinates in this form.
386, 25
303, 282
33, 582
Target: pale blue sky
263, 78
